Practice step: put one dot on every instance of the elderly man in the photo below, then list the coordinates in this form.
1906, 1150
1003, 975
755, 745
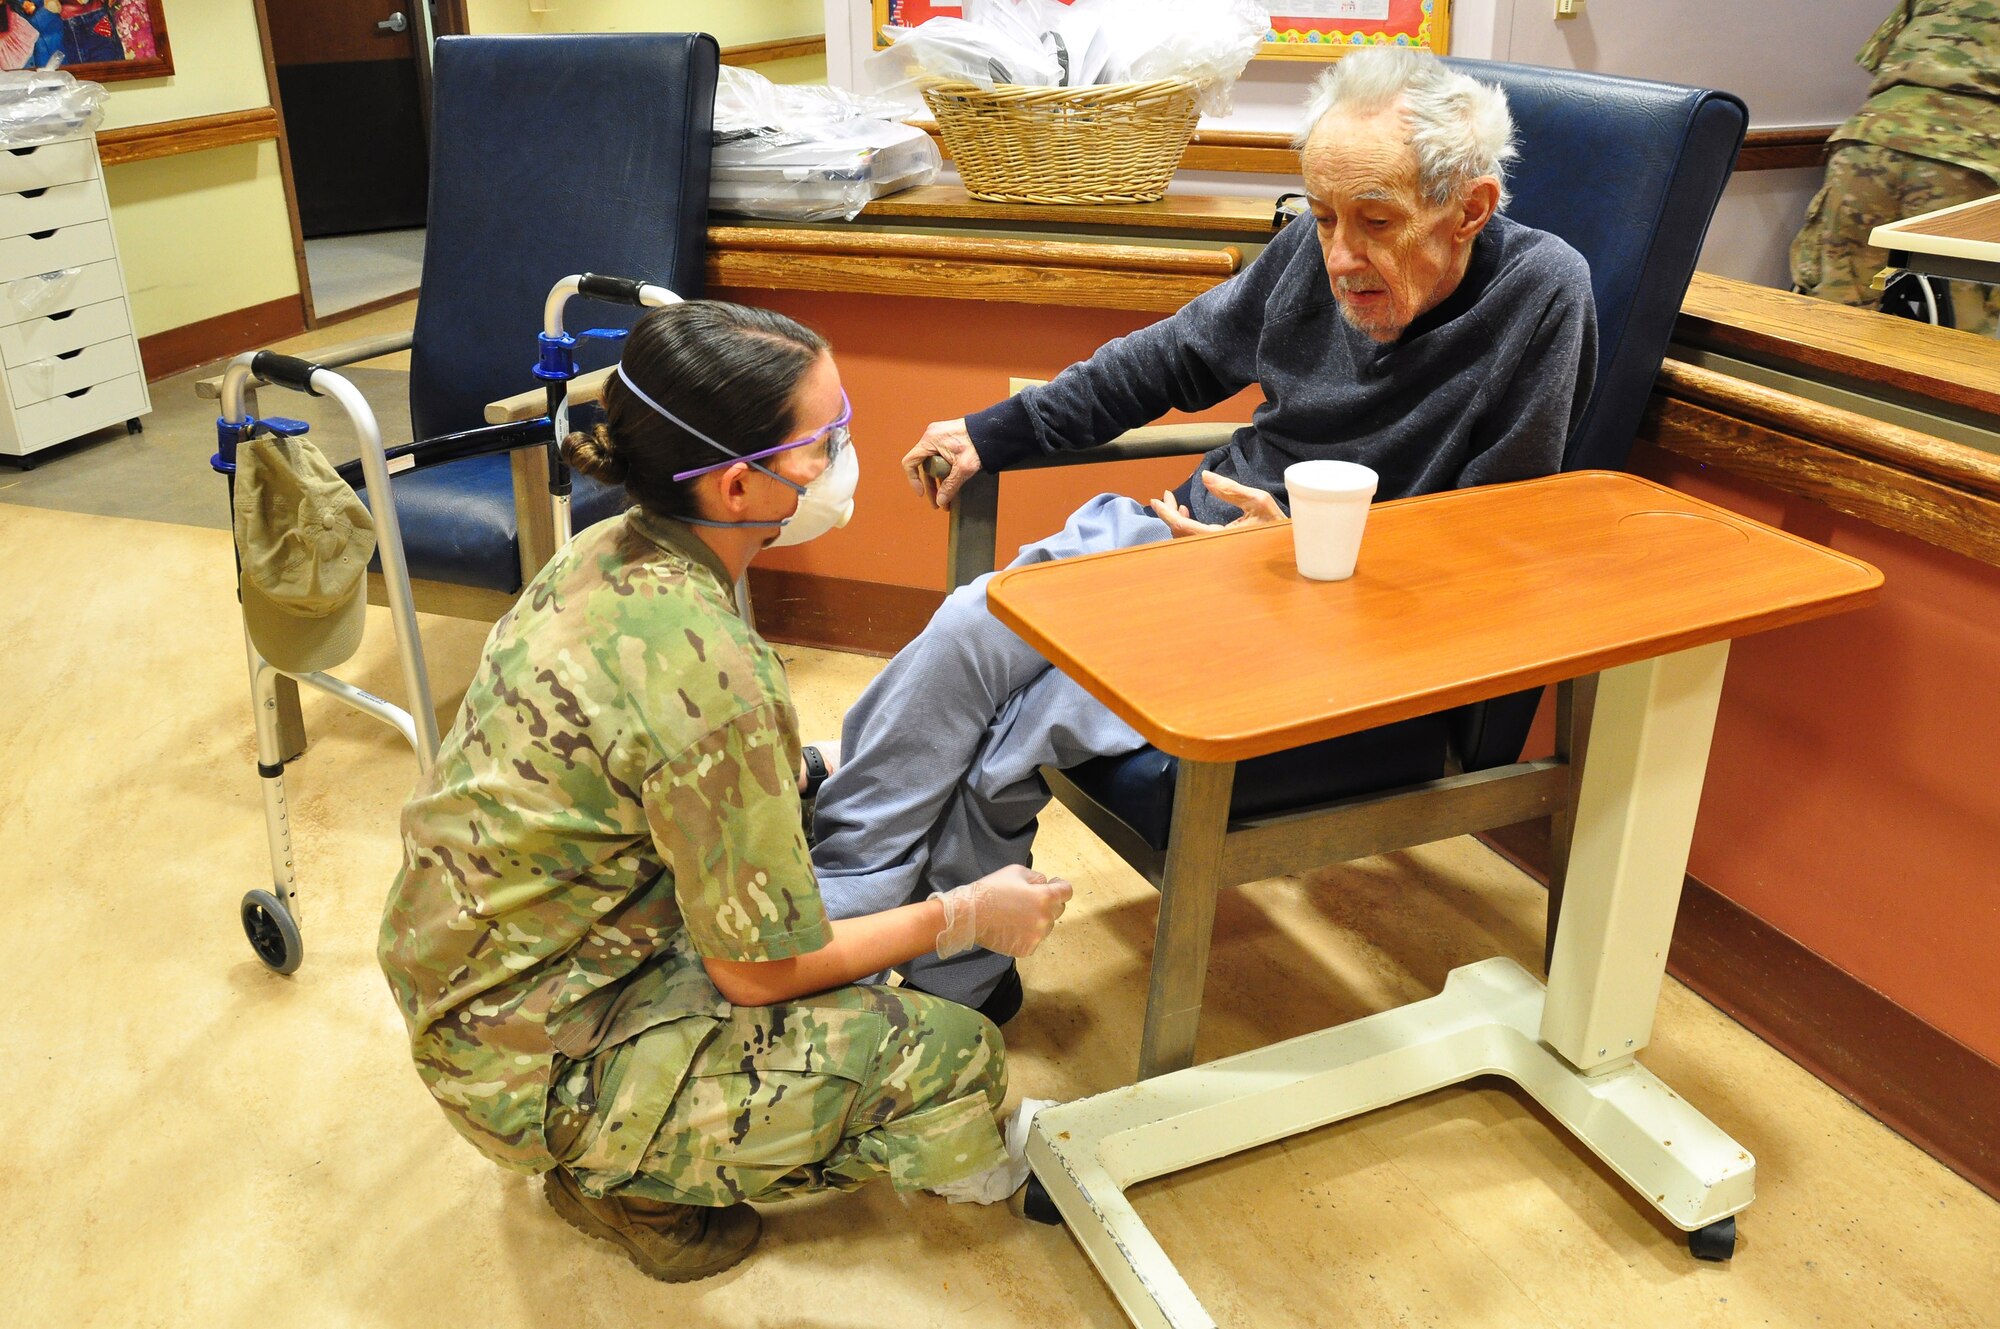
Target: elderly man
1405, 324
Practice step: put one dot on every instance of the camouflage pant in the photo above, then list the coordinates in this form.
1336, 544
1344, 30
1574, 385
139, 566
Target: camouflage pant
823, 1093
1866, 186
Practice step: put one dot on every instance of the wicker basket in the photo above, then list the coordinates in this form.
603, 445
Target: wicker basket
1115, 143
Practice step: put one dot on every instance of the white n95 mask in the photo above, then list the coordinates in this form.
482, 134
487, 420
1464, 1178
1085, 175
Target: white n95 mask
827, 503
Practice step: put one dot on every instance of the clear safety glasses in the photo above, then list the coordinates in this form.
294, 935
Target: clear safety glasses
836, 434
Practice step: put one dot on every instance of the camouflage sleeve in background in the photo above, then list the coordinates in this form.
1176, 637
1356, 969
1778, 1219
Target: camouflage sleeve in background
1935, 93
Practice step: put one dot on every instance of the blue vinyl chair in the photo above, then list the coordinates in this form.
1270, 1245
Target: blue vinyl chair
1629, 173
550, 155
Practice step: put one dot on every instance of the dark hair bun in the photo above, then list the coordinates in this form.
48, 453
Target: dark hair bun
596, 455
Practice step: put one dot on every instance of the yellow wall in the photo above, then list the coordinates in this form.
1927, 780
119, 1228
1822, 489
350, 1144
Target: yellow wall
202, 234
218, 66
206, 233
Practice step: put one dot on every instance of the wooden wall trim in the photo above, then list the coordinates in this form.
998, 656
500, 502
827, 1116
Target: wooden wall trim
192, 344
1929, 1088
286, 177
784, 48
1268, 152
1909, 450
1780, 328
171, 138
1785, 149
1142, 278
1892, 497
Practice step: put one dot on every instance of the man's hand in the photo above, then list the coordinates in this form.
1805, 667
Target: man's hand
948, 440
1259, 508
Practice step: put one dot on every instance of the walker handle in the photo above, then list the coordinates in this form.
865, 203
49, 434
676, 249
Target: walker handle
612, 290
287, 371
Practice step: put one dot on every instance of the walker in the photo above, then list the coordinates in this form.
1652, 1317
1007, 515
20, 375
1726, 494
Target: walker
271, 917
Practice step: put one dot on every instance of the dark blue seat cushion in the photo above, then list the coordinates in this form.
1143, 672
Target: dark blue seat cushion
1138, 788
459, 525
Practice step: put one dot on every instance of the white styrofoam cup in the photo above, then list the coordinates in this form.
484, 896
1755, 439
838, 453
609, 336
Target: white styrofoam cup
1329, 510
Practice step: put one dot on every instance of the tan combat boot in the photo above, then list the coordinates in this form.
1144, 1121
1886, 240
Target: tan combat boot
676, 1243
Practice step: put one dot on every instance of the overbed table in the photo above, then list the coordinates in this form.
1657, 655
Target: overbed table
1961, 243
1458, 597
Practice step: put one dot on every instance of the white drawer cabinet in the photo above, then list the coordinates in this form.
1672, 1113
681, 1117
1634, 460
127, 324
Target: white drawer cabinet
69, 361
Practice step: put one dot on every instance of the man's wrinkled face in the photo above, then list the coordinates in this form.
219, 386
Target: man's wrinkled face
1390, 253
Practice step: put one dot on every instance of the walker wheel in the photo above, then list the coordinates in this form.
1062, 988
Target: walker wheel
1716, 1242
272, 933
1036, 1204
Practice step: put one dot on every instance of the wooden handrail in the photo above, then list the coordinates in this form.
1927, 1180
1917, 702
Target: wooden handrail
171, 138
1218, 263
1858, 345
1908, 449
784, 48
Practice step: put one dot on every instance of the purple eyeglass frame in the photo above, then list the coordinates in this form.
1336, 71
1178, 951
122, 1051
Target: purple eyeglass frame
839, 422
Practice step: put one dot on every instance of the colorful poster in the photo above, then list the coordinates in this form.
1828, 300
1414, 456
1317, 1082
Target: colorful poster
97, 40
1328, 29
1300, 29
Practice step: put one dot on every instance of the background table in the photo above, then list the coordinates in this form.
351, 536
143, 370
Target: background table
1215, 649
1961, 243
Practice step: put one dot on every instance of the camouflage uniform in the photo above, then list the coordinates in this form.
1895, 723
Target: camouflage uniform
616, 800
1927, 137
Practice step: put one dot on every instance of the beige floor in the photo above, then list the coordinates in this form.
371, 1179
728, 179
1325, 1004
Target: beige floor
194, 1141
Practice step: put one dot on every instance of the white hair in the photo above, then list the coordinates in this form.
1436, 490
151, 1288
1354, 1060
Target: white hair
1460, 127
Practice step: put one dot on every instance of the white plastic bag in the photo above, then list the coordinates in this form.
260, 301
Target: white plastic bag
43, 293
807, 152
38, 107
1206, 41
956, 50
1040, 43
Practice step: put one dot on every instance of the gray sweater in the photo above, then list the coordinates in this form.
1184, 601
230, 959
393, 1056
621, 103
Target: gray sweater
1484, 388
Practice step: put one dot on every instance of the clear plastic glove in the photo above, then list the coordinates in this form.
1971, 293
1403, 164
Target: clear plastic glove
1008, 911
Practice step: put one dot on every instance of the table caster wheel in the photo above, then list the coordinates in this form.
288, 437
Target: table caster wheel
1716, 1242
272, 933
1036, 1205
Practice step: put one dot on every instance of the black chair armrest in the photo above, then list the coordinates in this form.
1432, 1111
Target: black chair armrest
975, 512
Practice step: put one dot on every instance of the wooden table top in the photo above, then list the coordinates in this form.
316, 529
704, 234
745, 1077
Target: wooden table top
1216, 649
1966, 230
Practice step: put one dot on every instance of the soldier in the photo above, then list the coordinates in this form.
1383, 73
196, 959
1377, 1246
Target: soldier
606, 937
1927, 137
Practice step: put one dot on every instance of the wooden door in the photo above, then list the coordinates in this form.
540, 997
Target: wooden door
349, 78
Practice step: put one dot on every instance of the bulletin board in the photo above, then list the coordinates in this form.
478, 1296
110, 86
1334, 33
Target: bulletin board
1329, 29
1300, 29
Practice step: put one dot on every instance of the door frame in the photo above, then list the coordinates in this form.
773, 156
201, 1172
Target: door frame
442, 18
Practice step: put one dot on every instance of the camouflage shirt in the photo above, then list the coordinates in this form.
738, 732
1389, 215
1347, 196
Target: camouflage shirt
616, 799
1936, 90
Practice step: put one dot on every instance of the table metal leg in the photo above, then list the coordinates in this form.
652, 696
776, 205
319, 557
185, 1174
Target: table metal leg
1574, 700
1485, 1022
1192, 876
1570, 1045
1649, 737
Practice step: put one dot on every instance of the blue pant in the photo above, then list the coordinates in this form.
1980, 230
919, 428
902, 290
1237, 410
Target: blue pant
938, 784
